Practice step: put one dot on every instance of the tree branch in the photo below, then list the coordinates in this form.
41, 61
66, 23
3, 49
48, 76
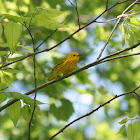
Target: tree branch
88, 114
76, 9
77, 71
118, 21
94, 20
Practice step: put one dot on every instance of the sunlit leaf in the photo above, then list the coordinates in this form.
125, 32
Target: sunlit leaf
3, 52
16, 18
12, 33
130, 132
26, 98
3, 97
136, 130
44, 18
4, 44
7, 69
123, 121
14, 111
130, 38
135, 21
131, 115
14, 58
122, 129
6, 79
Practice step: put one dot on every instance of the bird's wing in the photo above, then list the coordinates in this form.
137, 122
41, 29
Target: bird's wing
59, 63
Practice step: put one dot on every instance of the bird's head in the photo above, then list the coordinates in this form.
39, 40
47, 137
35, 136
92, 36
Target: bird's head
73, 55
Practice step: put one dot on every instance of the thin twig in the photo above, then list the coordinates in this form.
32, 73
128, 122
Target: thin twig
137, 94
77, 71
118, 21
88, 114
106, 4
46, 39
76, 8
125, 15
35, 82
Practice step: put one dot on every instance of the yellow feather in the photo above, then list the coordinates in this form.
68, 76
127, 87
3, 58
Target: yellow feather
65, 65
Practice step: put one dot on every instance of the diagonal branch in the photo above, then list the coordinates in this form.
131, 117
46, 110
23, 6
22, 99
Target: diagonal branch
118, 21
93, 111
77, 71
94, 20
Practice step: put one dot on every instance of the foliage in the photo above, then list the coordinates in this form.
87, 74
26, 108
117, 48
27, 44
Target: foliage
26, 27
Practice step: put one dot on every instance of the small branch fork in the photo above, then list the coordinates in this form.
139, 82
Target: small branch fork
118, 21
93, 111
76, 9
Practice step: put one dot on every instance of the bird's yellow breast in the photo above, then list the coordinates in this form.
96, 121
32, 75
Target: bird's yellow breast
68, 66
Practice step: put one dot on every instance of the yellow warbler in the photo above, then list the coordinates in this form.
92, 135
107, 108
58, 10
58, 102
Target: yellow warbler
65, 65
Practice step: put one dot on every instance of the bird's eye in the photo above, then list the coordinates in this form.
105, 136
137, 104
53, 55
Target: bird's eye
74, 55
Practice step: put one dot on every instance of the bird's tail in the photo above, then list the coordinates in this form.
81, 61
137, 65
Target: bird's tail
52, 77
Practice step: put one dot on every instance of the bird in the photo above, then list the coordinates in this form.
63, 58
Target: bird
65, 65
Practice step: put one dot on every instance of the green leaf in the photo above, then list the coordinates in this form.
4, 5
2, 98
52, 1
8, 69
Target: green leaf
2, 85
37, 109
12, 33
1, 30
64, 111
130, 38
4, 45
25, 47
16, 18
123, 121
3, 52
136, 130
124, 32
26, 113
122, 129
14, 58
2, 19
7, 69
135, 21
46, 18
130, 132
3, 97
131, 115
6, 79
26, 98
14, 111
136, 31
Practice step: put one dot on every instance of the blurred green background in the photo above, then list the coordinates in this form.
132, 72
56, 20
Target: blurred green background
77, 95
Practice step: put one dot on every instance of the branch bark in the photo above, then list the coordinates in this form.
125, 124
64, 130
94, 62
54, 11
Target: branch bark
79, 70
93, 111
